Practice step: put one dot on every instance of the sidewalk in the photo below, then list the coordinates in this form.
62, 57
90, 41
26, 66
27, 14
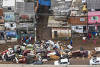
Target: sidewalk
2, 41
12, 40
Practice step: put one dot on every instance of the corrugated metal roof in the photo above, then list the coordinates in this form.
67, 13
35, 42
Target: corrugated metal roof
25, 7
0, 3
93, 4
54, 23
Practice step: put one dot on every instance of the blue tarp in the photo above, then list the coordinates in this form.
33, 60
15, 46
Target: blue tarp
11, 33
45, 2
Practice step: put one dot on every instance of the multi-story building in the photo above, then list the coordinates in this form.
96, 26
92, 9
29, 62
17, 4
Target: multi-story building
9, 18
25, 17
78, 16
59, 29
59, 22
93, 15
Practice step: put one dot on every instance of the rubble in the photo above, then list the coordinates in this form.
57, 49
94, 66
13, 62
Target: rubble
41, 52
36, 53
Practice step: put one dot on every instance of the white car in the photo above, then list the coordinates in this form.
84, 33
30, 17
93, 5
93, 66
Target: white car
97, 49
95, 61
62, 62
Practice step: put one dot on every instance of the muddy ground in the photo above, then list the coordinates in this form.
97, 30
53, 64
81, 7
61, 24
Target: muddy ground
77, 43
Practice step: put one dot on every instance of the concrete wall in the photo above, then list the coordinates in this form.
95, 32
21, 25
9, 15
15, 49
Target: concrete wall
61, 32
24, 65
78, 20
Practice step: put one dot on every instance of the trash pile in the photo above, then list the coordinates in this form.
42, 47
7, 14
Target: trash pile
41, 52
37, 53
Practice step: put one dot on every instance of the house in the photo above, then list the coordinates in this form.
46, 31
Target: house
78, 23
58, 22
93, 15
94, 21
78, 8
78, 18
59, 29
8, 5
25, 16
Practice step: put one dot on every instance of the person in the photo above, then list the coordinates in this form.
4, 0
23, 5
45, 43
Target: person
23, 39
42, 14
94, 34
71, 42
84, 9
89, 35
27, 41
30, 39
2, 35
84, 39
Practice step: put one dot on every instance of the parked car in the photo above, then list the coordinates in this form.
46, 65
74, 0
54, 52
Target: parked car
95, 61
62, 62
97, 49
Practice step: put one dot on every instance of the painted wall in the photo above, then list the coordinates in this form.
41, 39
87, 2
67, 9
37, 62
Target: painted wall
94, 17
1, 19
1, 12
78, 20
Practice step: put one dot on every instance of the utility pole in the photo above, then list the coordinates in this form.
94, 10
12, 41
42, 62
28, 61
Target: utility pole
35, 33
34, 21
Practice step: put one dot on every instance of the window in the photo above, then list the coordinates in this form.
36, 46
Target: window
0, 17
11, 25
82, 19
9, 8
84, 28
76, 27
92, 29
98, 28
94, 18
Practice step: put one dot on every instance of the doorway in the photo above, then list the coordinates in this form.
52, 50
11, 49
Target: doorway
55, 34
